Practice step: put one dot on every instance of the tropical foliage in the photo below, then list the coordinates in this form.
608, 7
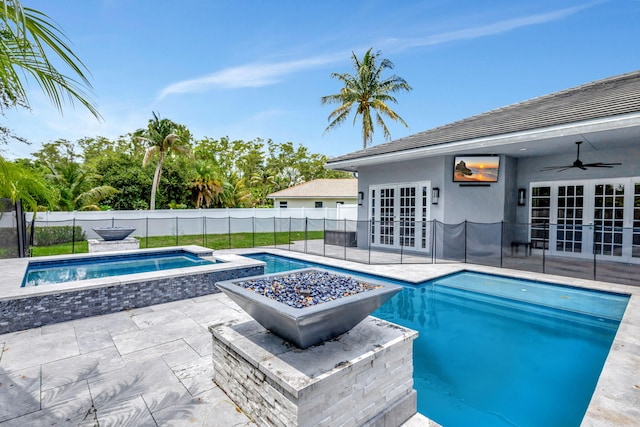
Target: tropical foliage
27, 35
75, 187
31, 43
99, 173
366, 90
163, 137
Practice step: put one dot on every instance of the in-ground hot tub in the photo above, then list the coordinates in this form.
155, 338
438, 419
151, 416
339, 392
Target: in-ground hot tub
25, 307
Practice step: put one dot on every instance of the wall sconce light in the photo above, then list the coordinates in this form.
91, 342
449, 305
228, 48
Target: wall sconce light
435, 195
522, 196
360, 198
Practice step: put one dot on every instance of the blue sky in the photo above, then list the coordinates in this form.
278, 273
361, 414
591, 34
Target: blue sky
248, 69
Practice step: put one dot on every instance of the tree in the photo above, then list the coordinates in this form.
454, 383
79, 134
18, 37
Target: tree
289, 177
76, 187
26, 35
207, 186
20, 182
162, 138
366, 90
262, 184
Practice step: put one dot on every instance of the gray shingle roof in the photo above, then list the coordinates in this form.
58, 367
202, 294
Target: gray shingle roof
602, 98
321, 188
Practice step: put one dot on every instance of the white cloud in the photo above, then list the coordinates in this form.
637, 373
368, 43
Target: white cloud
484, 30
249, 75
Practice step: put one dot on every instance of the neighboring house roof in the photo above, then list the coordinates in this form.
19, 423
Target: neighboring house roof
609, 97
321, 188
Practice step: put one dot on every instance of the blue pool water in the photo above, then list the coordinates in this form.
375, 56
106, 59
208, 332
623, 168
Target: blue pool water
49, 272
498, 351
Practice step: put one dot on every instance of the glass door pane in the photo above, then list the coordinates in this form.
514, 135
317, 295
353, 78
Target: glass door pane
540, 216
608, 219
387, 216
570, 214
407, 216
635, 248
425, 238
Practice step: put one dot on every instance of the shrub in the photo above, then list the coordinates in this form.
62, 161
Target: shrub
45, 236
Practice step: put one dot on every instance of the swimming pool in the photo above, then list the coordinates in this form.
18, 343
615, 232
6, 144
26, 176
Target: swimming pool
84, 268
497, 351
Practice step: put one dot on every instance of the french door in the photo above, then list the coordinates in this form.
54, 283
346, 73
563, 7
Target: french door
584, 217
399, 215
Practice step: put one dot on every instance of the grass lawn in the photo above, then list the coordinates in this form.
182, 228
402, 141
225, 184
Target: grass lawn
213, 241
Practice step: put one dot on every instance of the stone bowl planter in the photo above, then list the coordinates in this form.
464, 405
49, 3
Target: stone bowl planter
113, 233
314, 323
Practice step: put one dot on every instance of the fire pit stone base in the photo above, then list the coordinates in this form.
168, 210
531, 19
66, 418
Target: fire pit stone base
363, 377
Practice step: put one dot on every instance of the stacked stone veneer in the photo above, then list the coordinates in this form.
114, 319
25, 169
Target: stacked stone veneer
98, 245
35, 311
364, 377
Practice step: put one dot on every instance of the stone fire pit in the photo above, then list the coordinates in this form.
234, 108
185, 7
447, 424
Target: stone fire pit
113, 233
307, 307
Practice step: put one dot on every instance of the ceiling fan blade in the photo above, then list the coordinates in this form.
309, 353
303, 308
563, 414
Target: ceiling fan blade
558, 168
601, 165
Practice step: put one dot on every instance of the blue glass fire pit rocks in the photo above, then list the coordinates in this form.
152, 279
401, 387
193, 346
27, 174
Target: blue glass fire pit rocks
310, 306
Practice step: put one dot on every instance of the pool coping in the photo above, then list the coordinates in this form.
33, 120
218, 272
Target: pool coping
616, 399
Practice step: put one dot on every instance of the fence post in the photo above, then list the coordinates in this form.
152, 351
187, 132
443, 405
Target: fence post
289, 239
229, 230
176, 231
204, 243
204, 230
324, 233
433, 241
146, 232
501, 240
371, 223
253, 229
593, 239
73, 236
275, 240
306, 233
345, 239
435, 244
401, 243
544, 246
465, 241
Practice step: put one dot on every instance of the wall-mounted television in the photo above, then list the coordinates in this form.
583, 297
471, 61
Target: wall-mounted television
476, 168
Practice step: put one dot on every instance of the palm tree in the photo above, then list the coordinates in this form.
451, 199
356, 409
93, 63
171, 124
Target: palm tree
26, 36
367, 90
235, 194
20, 182
75, 185
207, 186
289, 177
262, 184
161, 136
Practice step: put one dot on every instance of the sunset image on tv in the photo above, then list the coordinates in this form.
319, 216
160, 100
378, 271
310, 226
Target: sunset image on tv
476, 169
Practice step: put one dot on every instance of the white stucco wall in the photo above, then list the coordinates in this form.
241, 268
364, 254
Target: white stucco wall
457, 203
310, 203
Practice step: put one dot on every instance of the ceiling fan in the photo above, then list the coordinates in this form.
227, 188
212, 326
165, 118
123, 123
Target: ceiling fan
578, 164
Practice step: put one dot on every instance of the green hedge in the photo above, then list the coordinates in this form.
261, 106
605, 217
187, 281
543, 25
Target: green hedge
45, 236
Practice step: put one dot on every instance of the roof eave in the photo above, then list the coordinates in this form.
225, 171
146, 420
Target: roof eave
490, 142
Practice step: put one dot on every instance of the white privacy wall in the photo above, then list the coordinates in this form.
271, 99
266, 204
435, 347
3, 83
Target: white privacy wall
199, 221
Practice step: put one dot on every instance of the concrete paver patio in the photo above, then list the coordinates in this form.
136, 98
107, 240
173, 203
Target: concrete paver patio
144, 367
